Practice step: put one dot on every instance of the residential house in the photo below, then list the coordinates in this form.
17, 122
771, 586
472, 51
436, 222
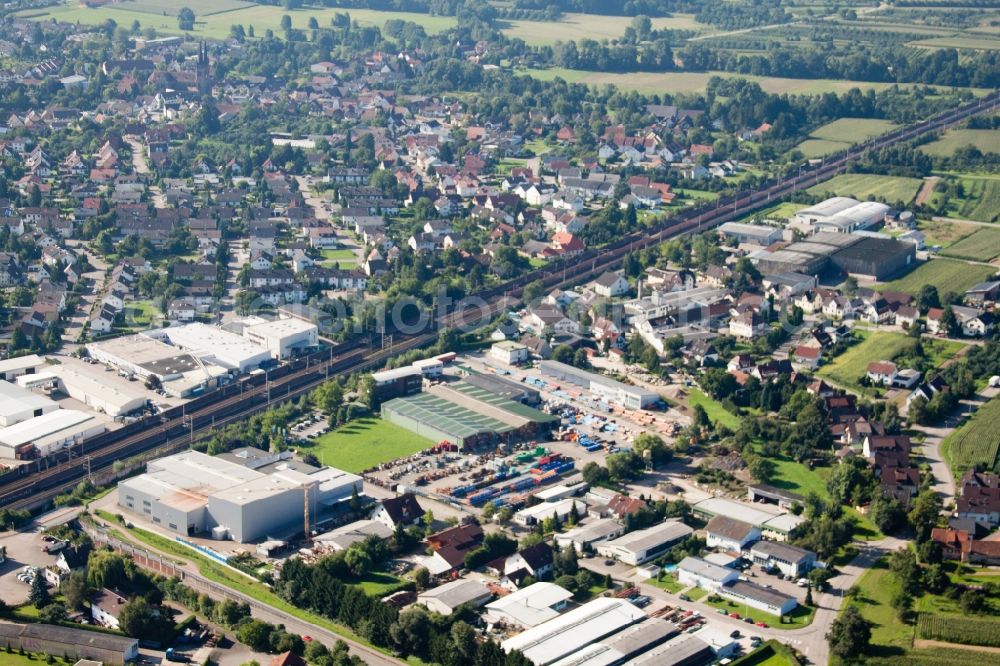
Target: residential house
402, 510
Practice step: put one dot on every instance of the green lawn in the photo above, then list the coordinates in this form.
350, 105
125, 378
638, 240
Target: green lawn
983, 245
846, 369
140, 314
216, 25
945, 274
380, 584
770, 653
812, 148
987, 141
716, 412
696, 594
875, 590
32, 659
782, 211
345, 258
853, 130
862, 186
586, 594
668, 583
977, 441
365, 443
800, 617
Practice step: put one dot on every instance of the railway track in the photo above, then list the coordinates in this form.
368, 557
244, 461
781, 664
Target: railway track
178, 427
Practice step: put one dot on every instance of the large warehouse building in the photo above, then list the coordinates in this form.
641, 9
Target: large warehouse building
854, 254
605, 388
48, 433
281, 337
86, 385
18, 404
842, 215
191, 493
466, 415
215, 345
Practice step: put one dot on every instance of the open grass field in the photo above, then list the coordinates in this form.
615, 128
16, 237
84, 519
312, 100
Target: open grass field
948, 275
960, 42
215, 25
977, 441
841, 134
573, 27
983, 245
987, 141
716, 412
862, 186
875, 590
853, 130
693, 82
365, 443
846, 369
944, 234
780, 212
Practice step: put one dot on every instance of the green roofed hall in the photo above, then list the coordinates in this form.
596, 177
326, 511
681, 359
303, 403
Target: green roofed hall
466, 415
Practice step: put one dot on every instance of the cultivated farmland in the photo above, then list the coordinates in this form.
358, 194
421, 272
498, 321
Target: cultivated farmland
215, 20
946, 274
977, 441
987, 141
572, 27
983, 245
862, 186
982, 199
969, 631
841, 134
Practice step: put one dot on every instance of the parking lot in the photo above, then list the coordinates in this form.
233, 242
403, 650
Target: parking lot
23, 549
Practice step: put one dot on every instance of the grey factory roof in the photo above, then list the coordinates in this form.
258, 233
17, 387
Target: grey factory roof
763, 594
704, 569
782, 551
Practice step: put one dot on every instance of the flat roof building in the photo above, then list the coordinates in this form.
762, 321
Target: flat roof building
281, 337
550, 641
12, 368
766, 599
704, 574
790, 560
190, 493
50, 432
213, 344
643, 545
77, 643
342, 537
589, 533
19, 404
530, 606
627, 643
88, 387
682, 650
631, 397
751, 233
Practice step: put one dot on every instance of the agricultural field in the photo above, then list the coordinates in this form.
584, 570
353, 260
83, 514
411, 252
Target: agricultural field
841, 134
694, 82
846, 369
215, 21
977, 441
944, 234
987, 141
365, 443
862, 186
948, 275
573, 27
981, 202
983, 245
970, 631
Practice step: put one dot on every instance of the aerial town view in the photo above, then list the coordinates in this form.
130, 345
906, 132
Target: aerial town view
500, 332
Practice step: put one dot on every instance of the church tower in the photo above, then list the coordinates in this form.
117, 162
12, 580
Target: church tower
204, 71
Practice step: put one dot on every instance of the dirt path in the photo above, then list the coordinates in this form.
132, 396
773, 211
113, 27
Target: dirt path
924, 196
925, 643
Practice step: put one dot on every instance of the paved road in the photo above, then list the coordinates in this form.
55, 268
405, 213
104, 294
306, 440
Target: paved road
944, 482
141, 167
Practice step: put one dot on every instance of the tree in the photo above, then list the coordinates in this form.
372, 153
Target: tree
850, 635
74, 589
886, 512
53, 614
699, 417
928, 298
138, 619
925, 511
422, 577
286, 22
410, 633
973, 600
185, 19
39, 596
256, 634
949, 323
